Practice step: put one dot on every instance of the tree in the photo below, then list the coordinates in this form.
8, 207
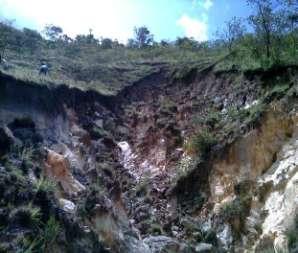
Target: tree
291, 16
186, 43
53, 32
32, 39
66, 39
131, 43
233, 32
5, 35
106, 43
164, 43
143, 37
89, 39
263, 22
290, 3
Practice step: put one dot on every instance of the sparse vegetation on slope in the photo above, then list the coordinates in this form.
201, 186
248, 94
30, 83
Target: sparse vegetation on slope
107, 66
183, 110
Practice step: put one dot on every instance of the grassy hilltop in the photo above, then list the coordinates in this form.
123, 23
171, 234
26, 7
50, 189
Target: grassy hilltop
106, 65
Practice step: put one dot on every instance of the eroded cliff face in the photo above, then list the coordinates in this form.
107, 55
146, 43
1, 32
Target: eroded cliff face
235, 203
122, 170
249, 156
261, 167
280, 201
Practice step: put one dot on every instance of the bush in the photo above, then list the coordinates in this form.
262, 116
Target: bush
212, 119
49, 234
44, 185
185, 165
25, 122
25, 216
168, 106
232, 210
235, 212
97, 133
277, 92
255, 113
201, 143
155, 229
143, 187
44, 241
292, 236
237, 114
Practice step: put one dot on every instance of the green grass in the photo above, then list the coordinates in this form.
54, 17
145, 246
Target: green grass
88, 66
44, 240
44, 185
106, 71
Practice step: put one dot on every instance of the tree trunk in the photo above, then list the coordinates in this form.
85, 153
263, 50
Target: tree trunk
268, 44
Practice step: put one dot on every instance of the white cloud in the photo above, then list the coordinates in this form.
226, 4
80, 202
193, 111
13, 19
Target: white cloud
107, 18
194, 28
205, 4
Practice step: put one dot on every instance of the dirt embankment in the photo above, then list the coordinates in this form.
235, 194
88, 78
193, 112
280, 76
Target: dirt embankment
119, 156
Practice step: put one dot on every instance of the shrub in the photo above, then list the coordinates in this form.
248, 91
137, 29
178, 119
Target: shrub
49, 234
185, 165
201, 144
44, 185
237, 114
255, 113
25, 122
232, 210
270, 250
277, 92
167, 105
235, 212
44, 241
292, 236
25, 216
155, 229
143, 187
97, 133
212, 119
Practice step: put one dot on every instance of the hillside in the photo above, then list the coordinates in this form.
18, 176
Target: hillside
163, 148
132, 160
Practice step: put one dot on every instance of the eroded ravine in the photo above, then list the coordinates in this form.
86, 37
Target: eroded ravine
130, 146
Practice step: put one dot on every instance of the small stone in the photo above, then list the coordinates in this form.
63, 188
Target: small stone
86, 229
204, 248
99, 123
132, 221
175, 228
174, 233
67, 205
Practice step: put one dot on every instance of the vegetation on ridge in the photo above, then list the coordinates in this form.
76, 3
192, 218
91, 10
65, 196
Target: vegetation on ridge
107, 66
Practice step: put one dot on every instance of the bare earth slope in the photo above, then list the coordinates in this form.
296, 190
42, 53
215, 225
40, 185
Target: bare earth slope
195, 161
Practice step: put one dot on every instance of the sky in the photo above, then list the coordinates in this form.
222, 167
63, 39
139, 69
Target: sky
166, 19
